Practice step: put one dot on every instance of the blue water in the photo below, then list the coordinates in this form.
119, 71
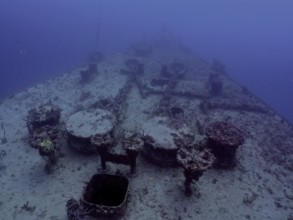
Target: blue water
40, 39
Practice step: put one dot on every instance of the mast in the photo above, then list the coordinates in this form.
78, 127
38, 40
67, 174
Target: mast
98, 25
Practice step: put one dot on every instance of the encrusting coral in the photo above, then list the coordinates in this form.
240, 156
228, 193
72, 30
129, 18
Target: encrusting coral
195, 159
44, 133
224, 139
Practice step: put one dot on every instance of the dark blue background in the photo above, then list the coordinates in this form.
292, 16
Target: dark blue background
40, 39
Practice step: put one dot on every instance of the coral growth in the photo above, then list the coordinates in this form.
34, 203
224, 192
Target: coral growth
132, 144
224, 139
132, 141
44, 134
195, 159
47, 114
225, 134
102, 140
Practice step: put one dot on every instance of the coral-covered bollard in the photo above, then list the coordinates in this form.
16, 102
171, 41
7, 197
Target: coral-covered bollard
224, 139
194, 159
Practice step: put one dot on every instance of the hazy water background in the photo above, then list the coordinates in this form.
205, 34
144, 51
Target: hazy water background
253, 38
